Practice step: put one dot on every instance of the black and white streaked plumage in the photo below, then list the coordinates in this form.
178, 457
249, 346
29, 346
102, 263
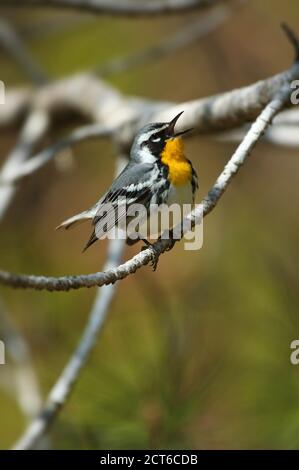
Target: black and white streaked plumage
157, 173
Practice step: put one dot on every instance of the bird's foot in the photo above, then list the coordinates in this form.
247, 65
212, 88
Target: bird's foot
155, 254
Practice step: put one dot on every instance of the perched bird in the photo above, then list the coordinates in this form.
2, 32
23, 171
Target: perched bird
157, 173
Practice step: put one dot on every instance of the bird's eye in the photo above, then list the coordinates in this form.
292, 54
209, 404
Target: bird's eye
155, 139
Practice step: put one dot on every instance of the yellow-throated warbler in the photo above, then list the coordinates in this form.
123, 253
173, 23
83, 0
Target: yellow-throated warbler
157, 173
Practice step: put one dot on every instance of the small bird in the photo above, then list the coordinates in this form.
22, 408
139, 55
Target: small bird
157, 173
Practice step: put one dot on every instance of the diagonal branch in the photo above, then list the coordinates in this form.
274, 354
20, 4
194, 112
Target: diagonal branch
102, 103
179, 39
65, 283
254, 134
116, 7
93, 98
233, 108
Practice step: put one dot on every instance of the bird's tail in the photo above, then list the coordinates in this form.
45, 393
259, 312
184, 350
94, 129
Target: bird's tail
77, 219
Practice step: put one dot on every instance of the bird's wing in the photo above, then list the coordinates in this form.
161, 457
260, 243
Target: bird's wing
132, 186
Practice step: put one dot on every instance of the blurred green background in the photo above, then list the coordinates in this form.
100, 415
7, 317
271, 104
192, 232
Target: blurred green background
195, 355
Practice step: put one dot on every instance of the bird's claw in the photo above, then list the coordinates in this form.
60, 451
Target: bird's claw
155, 254
155, 257
154, 250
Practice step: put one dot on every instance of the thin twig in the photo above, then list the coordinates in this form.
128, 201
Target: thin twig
65, 283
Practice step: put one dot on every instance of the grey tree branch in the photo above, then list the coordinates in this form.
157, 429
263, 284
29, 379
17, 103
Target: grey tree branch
114, 111
234, 108
209, 114
93, 98
254, 134
117, 7
65, 283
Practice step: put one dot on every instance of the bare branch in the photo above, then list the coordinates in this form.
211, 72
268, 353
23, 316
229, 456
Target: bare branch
231, 109
228, 108
93, 98
254, 134
115, 7
143, 258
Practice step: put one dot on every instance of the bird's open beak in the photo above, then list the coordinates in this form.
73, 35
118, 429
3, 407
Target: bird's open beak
171, 126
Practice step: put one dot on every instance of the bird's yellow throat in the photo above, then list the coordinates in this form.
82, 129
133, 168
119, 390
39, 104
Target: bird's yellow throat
173, 155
